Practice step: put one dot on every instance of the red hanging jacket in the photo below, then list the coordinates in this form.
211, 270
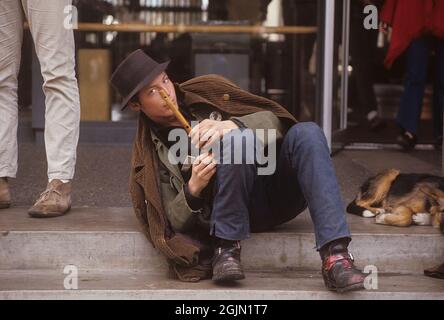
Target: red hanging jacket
437, 25
410, 19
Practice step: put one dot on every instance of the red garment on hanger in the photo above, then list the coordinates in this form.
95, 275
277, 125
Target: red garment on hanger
409, 20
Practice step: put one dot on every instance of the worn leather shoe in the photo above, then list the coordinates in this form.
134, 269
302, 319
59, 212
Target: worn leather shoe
338, 269
407, 141
54, 201
226, 262
5, 195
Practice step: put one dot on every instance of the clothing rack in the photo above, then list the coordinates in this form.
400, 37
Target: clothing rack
160, 13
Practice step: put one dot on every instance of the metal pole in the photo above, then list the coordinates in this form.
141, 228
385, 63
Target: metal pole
327, 96
345, 63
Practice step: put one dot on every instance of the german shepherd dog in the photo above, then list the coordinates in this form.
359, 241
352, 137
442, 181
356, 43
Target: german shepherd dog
401, 199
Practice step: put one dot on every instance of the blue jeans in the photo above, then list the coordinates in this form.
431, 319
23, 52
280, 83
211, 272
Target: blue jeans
411, 102
245, 202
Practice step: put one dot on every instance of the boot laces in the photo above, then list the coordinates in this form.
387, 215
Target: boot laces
45, 194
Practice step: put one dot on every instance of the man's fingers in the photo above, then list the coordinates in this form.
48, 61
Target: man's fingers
216, 136
207, 135
204, 158
202, 166
202, 138
209, 174
201, 130
195, 132
197, 136
207, 132
207, 160
209, 139
200, 158
200, 126
205, 171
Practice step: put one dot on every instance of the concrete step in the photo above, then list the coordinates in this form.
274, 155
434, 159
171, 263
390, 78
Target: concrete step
257, 286
110, 239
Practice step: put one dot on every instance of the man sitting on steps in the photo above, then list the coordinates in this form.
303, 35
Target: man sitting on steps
197, 217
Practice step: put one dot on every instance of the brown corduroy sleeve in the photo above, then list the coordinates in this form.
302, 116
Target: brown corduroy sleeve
139, 205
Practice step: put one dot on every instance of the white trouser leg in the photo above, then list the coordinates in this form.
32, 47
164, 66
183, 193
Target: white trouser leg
55, 50
11, 32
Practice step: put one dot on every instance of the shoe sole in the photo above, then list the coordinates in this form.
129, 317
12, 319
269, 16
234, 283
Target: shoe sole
36, 214
353, 287
229, 276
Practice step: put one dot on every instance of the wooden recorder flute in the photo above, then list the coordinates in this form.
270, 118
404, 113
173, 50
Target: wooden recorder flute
175, 110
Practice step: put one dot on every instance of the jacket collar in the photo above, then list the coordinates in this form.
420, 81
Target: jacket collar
189, 98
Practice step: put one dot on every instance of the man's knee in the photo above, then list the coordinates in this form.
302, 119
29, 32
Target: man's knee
306, 132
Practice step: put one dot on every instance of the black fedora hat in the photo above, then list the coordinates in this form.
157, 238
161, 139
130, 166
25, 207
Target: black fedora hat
135, 72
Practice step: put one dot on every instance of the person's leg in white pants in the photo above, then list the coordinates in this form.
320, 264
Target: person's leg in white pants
11, 31
54, 44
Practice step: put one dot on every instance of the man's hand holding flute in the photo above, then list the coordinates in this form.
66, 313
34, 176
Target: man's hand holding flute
203, 135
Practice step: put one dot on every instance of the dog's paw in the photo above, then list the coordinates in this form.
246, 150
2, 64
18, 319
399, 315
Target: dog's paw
368, 214
422, 219
380, 211
381, 219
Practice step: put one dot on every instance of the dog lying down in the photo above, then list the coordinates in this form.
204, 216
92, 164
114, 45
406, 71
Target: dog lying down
401, 199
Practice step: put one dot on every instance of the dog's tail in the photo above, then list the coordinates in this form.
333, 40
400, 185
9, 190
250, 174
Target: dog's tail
353, 208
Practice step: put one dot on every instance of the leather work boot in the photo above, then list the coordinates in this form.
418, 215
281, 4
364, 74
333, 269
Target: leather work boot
226, 262
54, 201
338, 269
5, 195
